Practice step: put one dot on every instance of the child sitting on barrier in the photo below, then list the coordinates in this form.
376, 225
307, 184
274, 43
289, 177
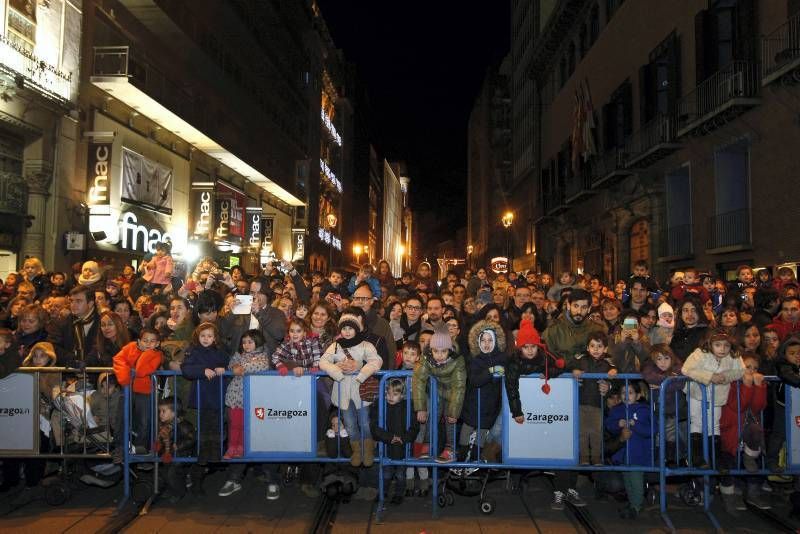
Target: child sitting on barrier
664, 364
350, 361
205, 365
250, 358
143, 358
175, 438
395, 434
594, 360
714, 365
487, 345
441, 362
633, 415
299, 352
788, 370
741, 420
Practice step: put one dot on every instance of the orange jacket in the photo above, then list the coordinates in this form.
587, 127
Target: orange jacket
143, 362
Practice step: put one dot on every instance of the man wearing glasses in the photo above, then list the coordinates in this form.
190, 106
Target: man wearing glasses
410, 321
379, 333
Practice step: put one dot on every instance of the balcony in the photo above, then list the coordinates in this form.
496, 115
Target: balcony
554, 203
609, 168
780, 52
35, 72
12, 194
719, 99
729, 232
121, 73
654, 141
579, 186
676, 243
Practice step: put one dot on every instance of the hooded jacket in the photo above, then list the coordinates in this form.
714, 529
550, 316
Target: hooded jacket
566, 339
131, 357
700, 366
637, 451
480, 382
451, 379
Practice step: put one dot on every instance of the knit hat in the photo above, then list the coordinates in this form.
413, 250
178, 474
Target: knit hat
353, 321
441, 341
527, 334
666, 322
95, 276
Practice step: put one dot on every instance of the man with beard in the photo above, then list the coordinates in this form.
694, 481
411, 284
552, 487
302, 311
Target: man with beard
567, 337
410, 320
435, 310
379, 333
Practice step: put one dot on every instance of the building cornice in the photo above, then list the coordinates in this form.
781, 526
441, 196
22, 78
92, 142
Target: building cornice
552, 37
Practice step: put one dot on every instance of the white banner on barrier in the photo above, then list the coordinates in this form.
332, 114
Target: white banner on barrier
279, 416
549, 433
793, 421
17, 412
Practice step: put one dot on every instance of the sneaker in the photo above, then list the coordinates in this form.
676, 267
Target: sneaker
229, 488
229, 453
628, 512
421, 451
558, 501
755, 498
446, 457
273, 492
575, 499
766, 486
188, 481
750, 463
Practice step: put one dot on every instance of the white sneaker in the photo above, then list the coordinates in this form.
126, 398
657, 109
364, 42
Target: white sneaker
273, 492
229, 488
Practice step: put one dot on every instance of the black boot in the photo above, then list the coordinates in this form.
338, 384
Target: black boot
670, 454
698, 461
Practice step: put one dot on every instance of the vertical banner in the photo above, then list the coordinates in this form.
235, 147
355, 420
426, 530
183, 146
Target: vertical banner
229, 214
99, 171
298, 244
18, 425
254, 228
201, 207
280, 416
549, 432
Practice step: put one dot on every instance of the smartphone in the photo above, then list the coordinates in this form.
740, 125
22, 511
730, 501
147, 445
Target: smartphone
243, 305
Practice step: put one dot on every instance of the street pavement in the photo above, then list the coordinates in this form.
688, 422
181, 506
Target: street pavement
94, 510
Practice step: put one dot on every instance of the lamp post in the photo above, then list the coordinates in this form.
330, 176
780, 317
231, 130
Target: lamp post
470, 250
508, 220
331, 221
401, 251
357, 249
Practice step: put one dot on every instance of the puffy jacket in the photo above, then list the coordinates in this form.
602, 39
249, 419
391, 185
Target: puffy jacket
374, 286
638, 447
700, 366
347, 388
518, 366
144, 363
480, 382
566, 339
451, 379
751, 397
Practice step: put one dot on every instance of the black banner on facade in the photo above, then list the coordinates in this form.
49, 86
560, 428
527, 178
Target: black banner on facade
99, 167
201, 202
255, 228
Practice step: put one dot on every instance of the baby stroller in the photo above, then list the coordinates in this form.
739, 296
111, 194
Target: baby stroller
471, 481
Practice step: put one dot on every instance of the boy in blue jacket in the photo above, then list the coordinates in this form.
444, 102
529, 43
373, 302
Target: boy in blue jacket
366, 273
630, 420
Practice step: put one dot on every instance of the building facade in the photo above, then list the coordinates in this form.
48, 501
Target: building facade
39, 72
668, 142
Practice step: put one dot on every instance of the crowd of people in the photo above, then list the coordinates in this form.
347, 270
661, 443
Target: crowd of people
471, 332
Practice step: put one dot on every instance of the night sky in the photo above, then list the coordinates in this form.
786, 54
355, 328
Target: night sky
423, 63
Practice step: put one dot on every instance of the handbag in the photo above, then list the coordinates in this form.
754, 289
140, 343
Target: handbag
368, 389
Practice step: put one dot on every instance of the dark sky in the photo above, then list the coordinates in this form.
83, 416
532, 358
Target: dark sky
423, 63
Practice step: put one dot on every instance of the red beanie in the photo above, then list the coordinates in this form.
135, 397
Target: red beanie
527, 334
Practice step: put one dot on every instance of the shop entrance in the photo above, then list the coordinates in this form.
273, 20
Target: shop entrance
8, 263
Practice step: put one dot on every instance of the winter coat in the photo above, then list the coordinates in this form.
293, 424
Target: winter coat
346, 390
518, 366
589, 390
638, 448
685, 340
566, 339
451, 379
145, 363
740, 399
480, 382
198, 359
184, 440
271, 324
252, 362
655, 376
395, 424
385, 346
701, 365
788, 373
628, 356
784, 328
554, 293
373, 283
305, 354
679, 292
159, 270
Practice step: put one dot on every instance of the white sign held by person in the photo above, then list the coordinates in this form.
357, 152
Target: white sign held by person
17, 412
280, 418
548, 434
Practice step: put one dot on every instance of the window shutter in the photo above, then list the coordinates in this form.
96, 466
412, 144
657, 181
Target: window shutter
674, 57
627, 111
746, 30
701, 27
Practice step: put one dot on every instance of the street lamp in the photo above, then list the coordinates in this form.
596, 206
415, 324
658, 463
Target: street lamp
357, 249
470, 250
401, 250
508, 220
331, 220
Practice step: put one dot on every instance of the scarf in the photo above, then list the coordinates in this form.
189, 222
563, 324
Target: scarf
80, 336
410, 331
352, 342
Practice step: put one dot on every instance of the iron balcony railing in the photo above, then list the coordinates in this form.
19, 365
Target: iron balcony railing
579, 185
123, 61
648, 142
12, 194
38, 73
677, 241
736, 80
554, 202
729, 229
610, 164
780, 50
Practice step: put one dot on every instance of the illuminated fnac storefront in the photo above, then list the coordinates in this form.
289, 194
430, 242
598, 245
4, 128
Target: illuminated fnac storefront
138, 192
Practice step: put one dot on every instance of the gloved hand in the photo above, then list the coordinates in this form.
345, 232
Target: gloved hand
283, 370
499, 370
